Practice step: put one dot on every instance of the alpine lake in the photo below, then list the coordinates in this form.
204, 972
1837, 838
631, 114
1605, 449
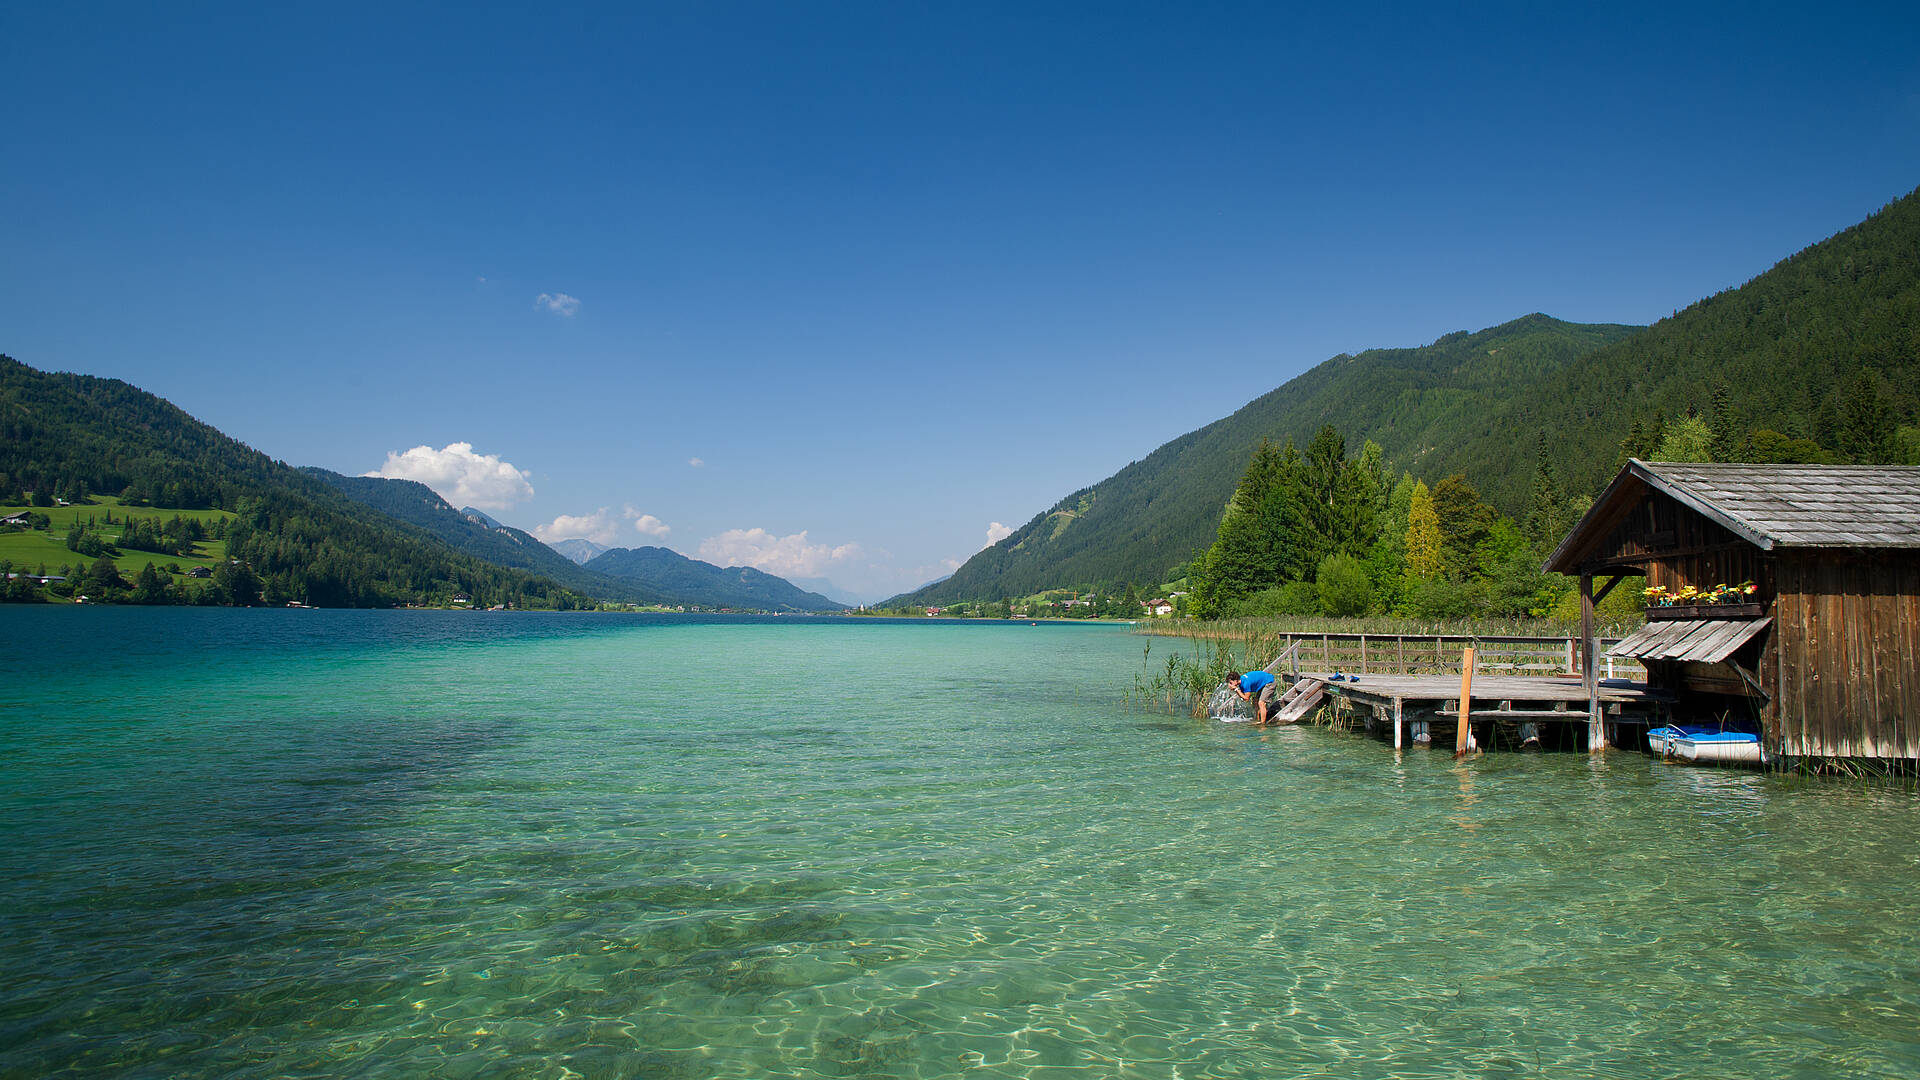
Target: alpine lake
304, 843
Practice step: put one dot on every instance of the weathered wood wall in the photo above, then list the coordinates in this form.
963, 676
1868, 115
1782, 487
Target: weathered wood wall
1680, 546
1843, 660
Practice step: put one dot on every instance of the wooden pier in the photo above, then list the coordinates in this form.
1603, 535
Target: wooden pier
1537, 689
1394, 700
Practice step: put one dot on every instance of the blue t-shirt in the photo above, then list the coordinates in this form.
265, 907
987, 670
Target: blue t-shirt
1255, 681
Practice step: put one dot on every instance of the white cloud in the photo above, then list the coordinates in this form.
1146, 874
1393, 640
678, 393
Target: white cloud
602, 526
784, 556
996, 532
696, 462
460, 476
557, 302
599, 527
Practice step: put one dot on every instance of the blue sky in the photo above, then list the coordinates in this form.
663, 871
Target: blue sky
834, 288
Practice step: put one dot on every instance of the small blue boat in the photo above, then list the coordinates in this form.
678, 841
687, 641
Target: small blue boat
1705, 743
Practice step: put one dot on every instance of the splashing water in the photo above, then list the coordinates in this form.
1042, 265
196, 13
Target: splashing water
1226, 705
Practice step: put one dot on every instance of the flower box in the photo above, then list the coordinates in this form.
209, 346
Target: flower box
1706, 611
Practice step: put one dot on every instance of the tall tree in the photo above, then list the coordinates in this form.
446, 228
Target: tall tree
1866, 428
1426, 556
1464, 522
1545, 519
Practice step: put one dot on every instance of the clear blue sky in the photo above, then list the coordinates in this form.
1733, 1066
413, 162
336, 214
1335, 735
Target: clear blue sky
891, 272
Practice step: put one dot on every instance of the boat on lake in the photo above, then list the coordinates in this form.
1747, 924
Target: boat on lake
1705, 744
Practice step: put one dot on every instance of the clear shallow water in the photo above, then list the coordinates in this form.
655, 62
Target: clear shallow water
319, 843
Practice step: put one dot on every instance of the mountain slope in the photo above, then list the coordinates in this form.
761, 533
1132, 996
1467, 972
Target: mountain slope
75, 435
419, 505
1157, 512
1790, 346
732, 586
1787, 345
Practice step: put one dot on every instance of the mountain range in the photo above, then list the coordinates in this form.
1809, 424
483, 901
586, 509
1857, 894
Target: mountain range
647, 575
318, 536
1786, 349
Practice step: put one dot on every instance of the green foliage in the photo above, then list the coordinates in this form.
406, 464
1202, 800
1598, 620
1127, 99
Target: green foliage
1343, 586
1425, 545
1768, 447
1439, 598
1293, 598
1687, 438
1464, 524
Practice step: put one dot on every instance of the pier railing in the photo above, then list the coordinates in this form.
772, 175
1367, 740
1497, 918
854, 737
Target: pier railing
1439, 654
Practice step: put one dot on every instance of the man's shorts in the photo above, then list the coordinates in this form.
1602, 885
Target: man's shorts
1270, 691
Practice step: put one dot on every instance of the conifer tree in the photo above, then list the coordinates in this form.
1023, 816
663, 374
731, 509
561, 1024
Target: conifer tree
1545, 520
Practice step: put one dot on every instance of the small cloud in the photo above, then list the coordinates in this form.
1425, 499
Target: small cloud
557, 302
602, 526
996, 532
460, 476
784, 556
697, 462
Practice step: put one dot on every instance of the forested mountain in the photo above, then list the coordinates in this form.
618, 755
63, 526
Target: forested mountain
648, 575
731, 586
1160, 511
1825, 346
467, 531
69, 436
1820, 353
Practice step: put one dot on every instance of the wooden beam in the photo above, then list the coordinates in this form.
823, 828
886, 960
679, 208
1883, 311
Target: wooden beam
1608, 587
1463, 740
1590, 668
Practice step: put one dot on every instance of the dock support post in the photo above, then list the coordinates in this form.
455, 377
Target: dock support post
1589, 669
1463, 737
1397, 702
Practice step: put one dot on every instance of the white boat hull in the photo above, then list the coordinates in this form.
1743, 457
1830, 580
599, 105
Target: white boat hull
1712, 751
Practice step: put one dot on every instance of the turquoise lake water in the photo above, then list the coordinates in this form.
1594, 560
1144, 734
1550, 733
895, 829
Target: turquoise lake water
398, 844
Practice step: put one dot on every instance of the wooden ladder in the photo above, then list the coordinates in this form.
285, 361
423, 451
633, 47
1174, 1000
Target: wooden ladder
1299, 698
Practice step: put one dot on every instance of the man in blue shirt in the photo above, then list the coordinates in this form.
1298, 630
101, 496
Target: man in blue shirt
1254, 682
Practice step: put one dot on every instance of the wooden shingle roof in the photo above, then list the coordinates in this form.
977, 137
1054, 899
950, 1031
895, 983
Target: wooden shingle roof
1768, 506
1870, 506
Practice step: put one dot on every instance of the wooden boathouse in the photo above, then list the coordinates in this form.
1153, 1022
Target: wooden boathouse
1821, 655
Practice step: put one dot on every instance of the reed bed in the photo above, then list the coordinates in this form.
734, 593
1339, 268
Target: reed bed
1237, 630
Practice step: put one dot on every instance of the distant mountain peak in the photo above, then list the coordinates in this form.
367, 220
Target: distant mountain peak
580, 550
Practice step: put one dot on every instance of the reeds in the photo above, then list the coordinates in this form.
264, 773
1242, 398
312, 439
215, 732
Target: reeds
1277, 628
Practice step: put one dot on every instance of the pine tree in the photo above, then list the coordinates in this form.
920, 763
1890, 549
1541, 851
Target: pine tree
1724, 425
1545, 520
1865, 429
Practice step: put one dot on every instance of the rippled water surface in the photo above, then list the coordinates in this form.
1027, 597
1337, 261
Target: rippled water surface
395, 844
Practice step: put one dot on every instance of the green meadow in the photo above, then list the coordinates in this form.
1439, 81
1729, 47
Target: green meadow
30, 549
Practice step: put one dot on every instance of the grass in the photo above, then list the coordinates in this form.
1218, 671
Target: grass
29, 549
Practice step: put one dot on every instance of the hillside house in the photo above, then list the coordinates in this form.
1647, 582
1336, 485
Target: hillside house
1821, 654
